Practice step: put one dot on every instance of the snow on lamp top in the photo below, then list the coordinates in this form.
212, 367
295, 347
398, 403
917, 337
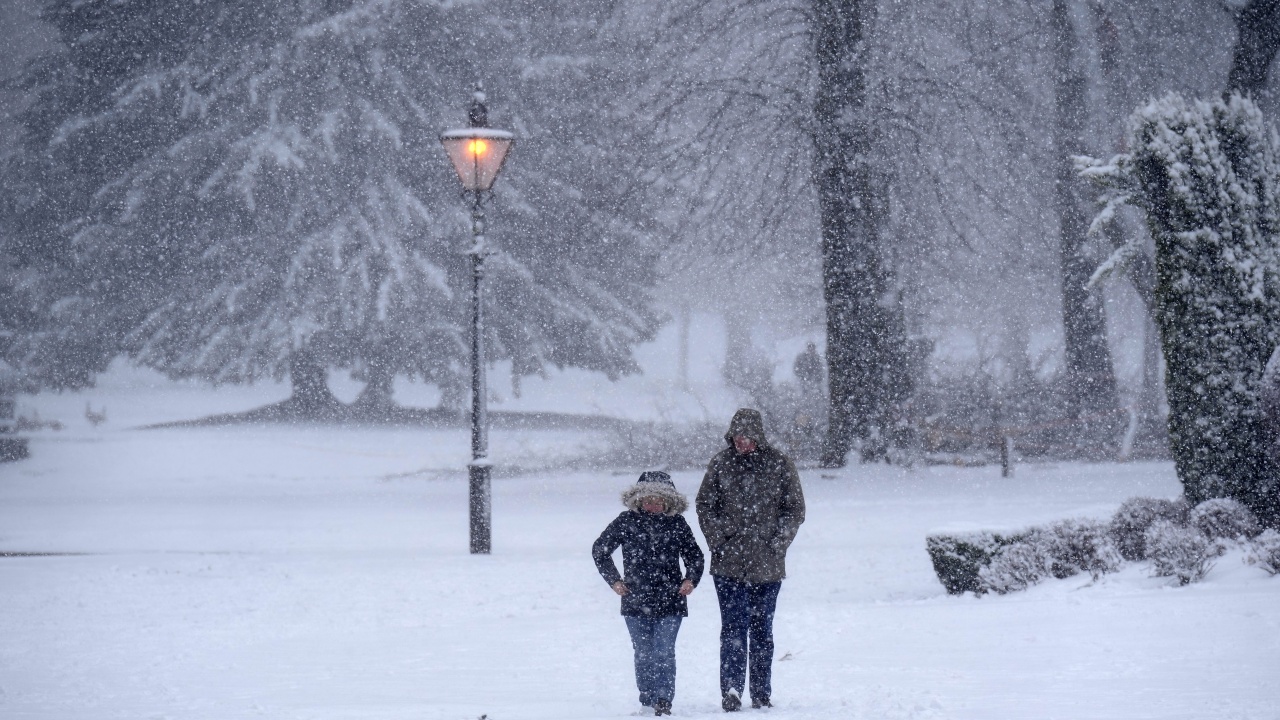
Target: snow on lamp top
477, 154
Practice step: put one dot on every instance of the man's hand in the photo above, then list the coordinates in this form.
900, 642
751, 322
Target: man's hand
620, 588
686, 588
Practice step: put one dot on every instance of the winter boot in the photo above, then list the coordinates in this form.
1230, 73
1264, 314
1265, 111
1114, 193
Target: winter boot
662, 707
758, 703
732, 701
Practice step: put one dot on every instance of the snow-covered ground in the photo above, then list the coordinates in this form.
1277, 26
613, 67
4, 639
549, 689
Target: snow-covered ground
323, 573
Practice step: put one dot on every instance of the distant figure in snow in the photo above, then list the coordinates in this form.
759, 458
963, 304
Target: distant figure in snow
803, 434
654, 538
809, 371
750, 507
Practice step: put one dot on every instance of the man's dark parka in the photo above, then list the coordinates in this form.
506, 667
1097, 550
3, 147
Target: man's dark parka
750, 506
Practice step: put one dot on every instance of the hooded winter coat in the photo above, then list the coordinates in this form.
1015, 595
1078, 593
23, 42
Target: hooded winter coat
750, 506
652, 547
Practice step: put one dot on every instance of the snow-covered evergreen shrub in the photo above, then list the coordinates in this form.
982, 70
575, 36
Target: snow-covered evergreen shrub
1207, 177
1179, 552
958, 558
1080, 546
1264, 552
1129, 524
1060, 550
1016, 567
1224, 519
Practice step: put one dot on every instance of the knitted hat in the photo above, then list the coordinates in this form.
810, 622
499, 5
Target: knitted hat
655, 483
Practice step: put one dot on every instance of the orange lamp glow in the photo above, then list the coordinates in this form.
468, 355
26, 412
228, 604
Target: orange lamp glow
477, 154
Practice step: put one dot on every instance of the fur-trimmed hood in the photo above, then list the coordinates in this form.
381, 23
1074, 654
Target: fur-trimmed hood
654, 483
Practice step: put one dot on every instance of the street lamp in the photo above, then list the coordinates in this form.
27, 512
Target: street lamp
477, 154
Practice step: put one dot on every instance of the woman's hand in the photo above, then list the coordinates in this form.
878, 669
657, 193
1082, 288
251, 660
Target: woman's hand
686, 587
620, 588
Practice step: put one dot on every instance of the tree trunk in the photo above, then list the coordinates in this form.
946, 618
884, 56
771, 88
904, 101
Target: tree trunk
1090, 382
311, 398
863, 333
377, 392
1257, 40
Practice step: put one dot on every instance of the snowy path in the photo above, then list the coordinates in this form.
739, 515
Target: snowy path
320, 573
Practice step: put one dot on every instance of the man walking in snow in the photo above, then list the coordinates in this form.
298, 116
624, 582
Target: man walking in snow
750, 507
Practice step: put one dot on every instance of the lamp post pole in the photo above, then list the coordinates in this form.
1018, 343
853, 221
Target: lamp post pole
477, 154
479, 469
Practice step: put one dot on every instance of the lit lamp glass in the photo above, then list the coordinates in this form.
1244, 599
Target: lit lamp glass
477, 154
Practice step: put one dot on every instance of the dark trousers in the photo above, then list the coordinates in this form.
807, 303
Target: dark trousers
654, 642
746, 634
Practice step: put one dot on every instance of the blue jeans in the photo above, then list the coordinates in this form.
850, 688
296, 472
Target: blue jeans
654, 641
746, 630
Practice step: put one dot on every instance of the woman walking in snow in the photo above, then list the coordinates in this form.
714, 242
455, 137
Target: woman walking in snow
654, 537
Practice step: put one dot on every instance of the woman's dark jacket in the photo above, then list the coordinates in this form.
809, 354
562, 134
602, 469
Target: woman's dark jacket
652, 547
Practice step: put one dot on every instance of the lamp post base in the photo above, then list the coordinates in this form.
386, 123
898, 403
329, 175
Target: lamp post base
480, 508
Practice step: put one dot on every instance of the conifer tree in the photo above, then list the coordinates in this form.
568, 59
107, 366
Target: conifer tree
266, 195
1207, 177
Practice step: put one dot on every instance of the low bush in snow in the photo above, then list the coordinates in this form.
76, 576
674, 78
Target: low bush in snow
958, 558
1017, 567
1129, 524
1264, 552
1180, 542
1080, 546
1179, 552
983, 562
1224, 519
1060, 550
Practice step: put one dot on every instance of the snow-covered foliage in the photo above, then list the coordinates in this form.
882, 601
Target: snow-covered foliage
1080, 546
958, 558
1129, 524
1016, 567
1264, 551
1060, 550
982, 561
226, 184
1179, 542
1207, 177
1179, 552
1223, 519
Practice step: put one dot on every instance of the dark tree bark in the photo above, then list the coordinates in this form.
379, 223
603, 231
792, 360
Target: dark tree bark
1257, 40
864, 334
1090, 382
311, 398
377, 393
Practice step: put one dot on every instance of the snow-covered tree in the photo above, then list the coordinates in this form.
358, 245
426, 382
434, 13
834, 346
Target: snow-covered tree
272, 199
1207, 177
881, 153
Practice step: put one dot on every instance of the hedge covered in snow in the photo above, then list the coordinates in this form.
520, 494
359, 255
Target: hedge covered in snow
1178, 541
1206, 175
